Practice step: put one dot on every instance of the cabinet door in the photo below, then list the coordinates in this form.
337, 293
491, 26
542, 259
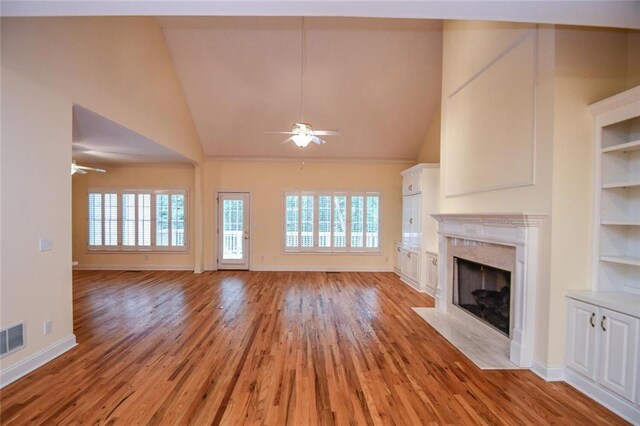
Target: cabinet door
416, 182
414, 262
416, 207
618, 352
398, 257
432, 272
407, 184
406, 262
581, 339
406, 215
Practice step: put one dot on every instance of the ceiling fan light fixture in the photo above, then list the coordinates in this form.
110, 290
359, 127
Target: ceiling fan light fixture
302, 139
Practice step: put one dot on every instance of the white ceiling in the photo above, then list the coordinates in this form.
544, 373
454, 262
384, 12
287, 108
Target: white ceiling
98, 140
376, 80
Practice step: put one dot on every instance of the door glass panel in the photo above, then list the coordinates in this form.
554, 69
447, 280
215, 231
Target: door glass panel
306, 235
232, 229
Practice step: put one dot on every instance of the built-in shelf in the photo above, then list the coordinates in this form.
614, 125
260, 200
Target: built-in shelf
625, 260
624, 147
617, 191
620, 185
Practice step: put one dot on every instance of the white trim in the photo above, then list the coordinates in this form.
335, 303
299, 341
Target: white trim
549, 374
208, 268
448, 193
138, 267
266, 159
621, 407
278, 268
38, 359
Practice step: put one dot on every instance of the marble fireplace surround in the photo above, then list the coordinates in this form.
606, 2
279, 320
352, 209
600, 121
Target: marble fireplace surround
505, 240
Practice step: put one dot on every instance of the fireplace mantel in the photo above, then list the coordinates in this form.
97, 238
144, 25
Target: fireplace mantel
519, 230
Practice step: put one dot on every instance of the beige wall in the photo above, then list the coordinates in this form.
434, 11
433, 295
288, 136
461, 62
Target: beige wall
575, 67
430, 150
139, 177
36, 202
118, 67
267, 182
591, 64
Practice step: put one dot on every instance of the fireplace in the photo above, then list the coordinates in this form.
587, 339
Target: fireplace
483, 291
504, 241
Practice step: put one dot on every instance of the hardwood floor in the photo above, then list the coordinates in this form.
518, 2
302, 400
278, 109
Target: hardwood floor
272, 348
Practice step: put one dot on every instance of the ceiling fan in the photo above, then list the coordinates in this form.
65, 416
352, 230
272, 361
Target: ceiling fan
302, 134
84, 169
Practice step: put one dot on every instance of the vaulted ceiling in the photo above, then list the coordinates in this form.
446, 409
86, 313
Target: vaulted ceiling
378, 81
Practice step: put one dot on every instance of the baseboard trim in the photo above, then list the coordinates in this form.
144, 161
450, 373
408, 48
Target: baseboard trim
321, 269
27, 365
143, 267
621, 407
549, 374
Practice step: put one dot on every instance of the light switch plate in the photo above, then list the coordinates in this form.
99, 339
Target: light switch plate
46, 244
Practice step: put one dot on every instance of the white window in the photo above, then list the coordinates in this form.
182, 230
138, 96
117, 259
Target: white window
138, 219
331, 221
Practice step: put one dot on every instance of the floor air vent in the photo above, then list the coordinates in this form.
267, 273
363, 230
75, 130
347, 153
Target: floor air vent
11, 339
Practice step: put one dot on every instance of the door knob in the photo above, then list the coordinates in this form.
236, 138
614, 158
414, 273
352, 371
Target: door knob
411, 221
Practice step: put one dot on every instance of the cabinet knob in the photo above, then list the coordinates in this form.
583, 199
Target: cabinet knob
398, 248
593, 316
409, 255
602, 323
410, 187
411, 221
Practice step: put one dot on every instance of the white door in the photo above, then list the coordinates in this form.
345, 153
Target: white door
582, 338
233, 230
618, 352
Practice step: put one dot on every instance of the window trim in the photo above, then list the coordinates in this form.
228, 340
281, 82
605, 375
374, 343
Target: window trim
120, 248
348, 250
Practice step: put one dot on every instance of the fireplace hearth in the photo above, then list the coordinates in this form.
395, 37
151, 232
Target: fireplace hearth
484, 291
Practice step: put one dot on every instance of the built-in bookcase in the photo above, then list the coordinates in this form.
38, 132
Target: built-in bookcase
617, 195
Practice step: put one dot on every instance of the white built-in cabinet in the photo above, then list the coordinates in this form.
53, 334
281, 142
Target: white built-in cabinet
603, 347
603, 342
419, 243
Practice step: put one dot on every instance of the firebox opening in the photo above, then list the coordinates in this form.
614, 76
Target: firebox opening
483, 291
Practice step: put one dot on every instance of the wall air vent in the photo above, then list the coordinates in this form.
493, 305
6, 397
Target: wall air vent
11, 339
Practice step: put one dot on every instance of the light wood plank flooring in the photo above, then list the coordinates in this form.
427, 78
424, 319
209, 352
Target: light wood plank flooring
272, 348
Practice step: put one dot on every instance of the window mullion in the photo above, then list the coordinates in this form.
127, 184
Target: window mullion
103, 222
348, 222
152, 217
316, 230
170, 219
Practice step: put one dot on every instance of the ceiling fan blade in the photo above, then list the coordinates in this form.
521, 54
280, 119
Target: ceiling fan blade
80, 171
317, 140
279, 133
326, 132
286, 141
92, 169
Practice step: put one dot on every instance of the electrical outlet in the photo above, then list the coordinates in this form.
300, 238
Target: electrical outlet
48, 327
274, 258
386, 259
46, 244
146, 257
261, 257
